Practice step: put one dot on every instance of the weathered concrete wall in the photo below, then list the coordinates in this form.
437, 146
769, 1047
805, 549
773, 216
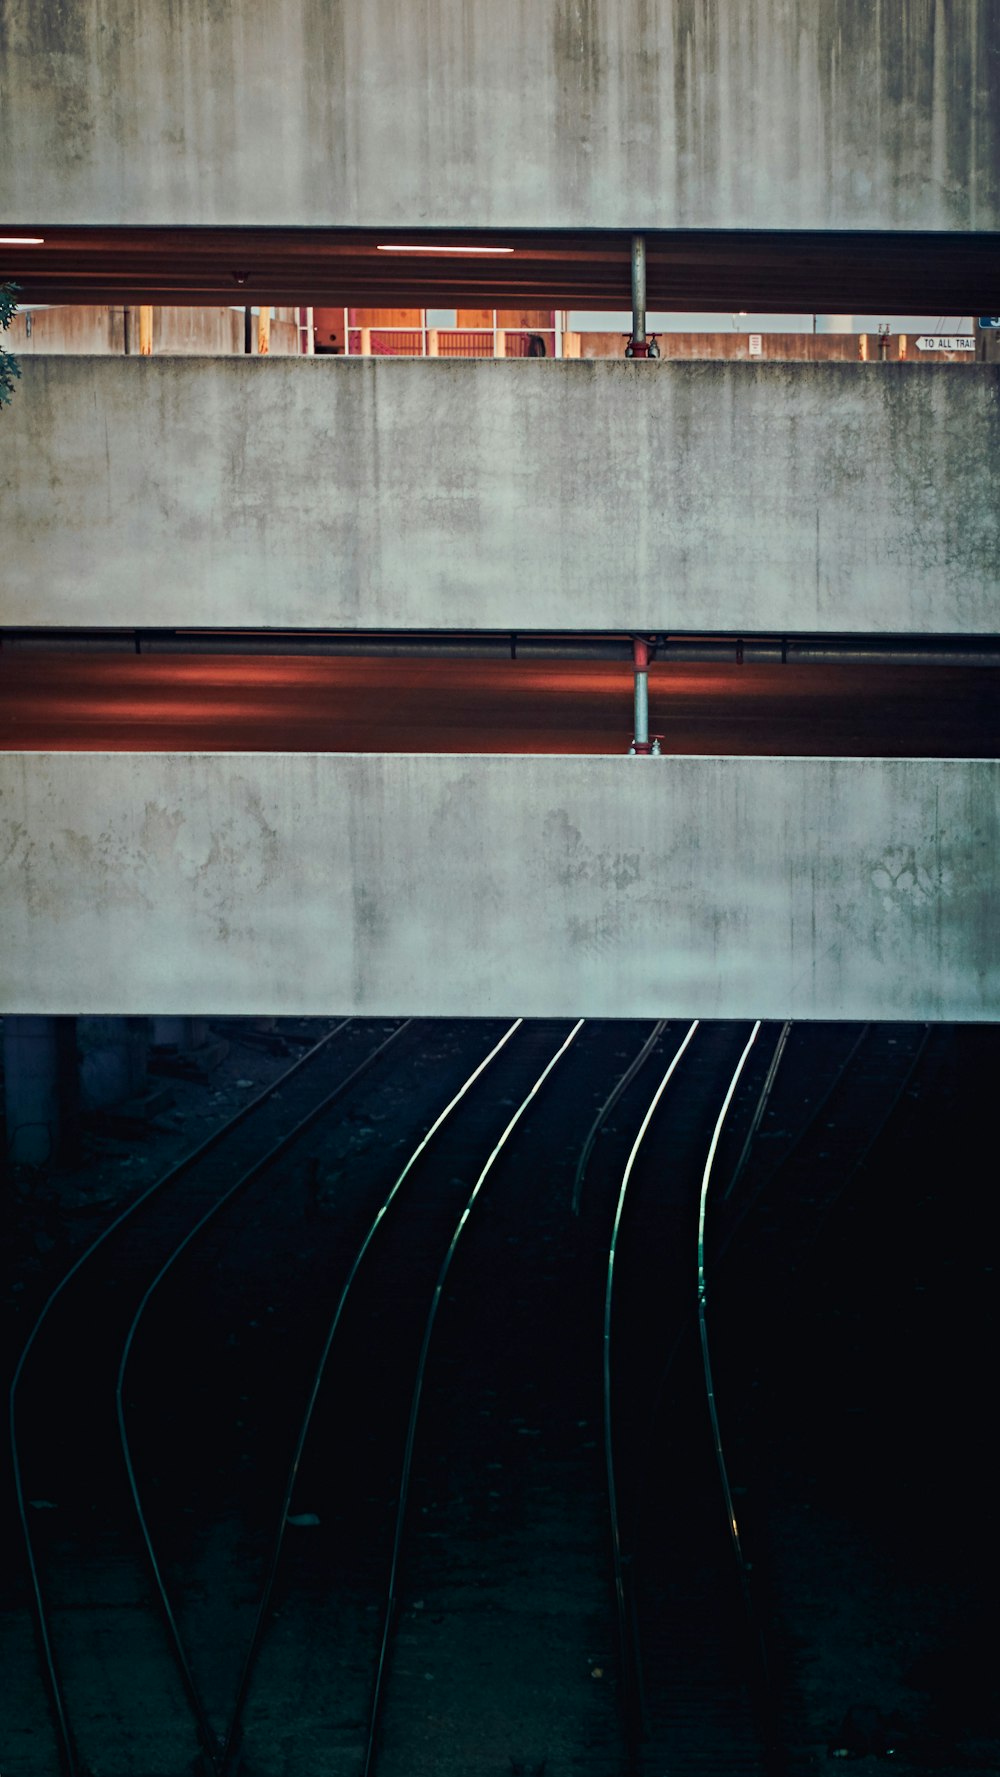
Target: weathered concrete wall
508, 495
266, 883
614, 113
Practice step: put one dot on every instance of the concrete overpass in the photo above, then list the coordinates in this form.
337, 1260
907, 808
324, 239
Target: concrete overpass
266, 883
668, 114
250, 493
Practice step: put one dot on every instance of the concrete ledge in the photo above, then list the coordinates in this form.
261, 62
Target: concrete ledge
506, 495
441, 885
614, 114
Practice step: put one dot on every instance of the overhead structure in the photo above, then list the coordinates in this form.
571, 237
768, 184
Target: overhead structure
728, 270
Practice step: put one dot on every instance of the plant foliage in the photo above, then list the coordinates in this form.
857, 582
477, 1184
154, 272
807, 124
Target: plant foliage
9, 366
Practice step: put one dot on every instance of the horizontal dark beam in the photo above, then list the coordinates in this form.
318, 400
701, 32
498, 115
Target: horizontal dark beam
721, 271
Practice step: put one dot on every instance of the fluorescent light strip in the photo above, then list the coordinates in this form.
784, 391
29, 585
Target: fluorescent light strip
463, 252
22, 240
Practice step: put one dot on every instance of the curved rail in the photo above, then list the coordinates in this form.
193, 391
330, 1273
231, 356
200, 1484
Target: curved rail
232, 1740
260, 1165
411, 1431
860, 1158
706, 1363
628, 1651
67, 1747
760, 1107
607, 1107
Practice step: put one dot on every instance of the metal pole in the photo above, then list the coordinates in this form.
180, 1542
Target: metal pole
639, 288
248, 329
640, 660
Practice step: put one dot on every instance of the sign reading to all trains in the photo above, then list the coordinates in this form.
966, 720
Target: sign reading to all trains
946, 342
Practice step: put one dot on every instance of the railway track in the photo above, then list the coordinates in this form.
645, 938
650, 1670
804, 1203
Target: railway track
362, 1524
787, 1239
89, 1583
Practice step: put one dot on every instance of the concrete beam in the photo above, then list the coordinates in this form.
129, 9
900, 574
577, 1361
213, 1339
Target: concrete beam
371, 884
520, 494
620, 114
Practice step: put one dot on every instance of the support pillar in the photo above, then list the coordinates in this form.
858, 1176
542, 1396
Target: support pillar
640, 664
40, 1090
112, 1060
640, 344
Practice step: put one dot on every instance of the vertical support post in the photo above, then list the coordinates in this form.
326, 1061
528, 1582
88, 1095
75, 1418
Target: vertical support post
640, 665
433, 342
248, 330
499, 342
145, 331
366, 342
127, 329
310, 332
264, 329
40, 1087
639, 289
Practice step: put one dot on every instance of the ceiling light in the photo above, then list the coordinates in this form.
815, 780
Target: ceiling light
461, 251
22, 240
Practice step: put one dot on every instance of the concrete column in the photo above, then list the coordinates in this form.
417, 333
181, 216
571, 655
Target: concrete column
366, 342
145, 330
112, 1060
39, 1088
432, 342
264, 329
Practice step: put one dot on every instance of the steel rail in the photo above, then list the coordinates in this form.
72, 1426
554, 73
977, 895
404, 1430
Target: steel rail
411, 1430
706, 1363
209, 1742
605, 1111
819, 1107
860, 1159
232, 1739
798, 1139
792, 1148
67, 1748
775, 1168
627, 1640
760, 1108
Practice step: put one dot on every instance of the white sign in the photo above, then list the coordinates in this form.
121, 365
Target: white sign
756, 346
945, 342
